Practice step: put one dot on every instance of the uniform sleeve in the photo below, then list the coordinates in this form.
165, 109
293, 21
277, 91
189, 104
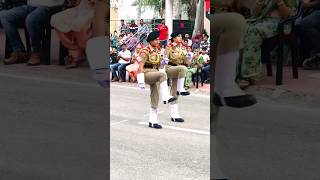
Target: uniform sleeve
167, 51
143, 55
184, 57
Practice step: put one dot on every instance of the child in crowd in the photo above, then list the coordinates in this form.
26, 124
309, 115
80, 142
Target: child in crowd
193, 65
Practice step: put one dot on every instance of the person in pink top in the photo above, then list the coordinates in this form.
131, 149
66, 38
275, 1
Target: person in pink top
74, 28
163, 29
132, 69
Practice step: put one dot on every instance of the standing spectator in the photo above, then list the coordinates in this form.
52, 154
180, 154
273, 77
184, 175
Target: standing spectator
143, 31
187, 37
196, 43
133, 27
205, 43
73, 27
132, 42
123, 28
163, 29
124, 57
34, 15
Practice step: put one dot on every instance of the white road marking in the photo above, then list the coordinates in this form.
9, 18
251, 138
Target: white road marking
181, 129
137, 88
116, 123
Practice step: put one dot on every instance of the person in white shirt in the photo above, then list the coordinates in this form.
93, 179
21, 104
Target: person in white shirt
204, 57
124, 57
34, 15
187, 37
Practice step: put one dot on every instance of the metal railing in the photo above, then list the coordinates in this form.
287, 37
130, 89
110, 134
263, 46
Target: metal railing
152, 23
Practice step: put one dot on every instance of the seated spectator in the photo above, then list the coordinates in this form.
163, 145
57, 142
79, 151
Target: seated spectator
192, 60
309, 28
114, 39
73, 26
197, 36
204, 59
196, 43
120, 42
187, 37
34, 15
113, 56
133, 68
185, 43
124, 57
267, 15
205, 43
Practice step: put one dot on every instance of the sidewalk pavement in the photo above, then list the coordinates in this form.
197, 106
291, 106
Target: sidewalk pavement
308, 81
305, 89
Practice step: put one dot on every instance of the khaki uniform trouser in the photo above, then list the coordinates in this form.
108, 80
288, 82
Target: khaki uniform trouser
227, 32
174, 73
153, 77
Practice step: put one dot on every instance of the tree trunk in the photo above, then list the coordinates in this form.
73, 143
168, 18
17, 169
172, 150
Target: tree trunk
192, 9
198, 25
177, 9
139, 9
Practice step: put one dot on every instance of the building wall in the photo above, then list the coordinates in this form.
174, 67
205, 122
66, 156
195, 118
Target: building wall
113, 17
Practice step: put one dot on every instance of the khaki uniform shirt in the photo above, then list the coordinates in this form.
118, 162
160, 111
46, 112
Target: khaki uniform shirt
177, 54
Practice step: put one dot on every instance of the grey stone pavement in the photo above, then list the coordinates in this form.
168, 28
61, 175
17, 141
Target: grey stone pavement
52, 124
178, 151
272, 140
276, 139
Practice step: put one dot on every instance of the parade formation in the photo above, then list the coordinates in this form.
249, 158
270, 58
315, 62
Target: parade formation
155, 69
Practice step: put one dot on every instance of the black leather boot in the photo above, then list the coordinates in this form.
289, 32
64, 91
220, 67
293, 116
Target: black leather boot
185, 93
240, 101
170, 100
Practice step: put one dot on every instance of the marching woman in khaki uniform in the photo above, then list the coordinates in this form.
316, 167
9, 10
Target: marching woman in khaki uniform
148, 73
176, 71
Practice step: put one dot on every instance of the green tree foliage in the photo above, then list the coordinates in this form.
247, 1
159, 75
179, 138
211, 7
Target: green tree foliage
159, 5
